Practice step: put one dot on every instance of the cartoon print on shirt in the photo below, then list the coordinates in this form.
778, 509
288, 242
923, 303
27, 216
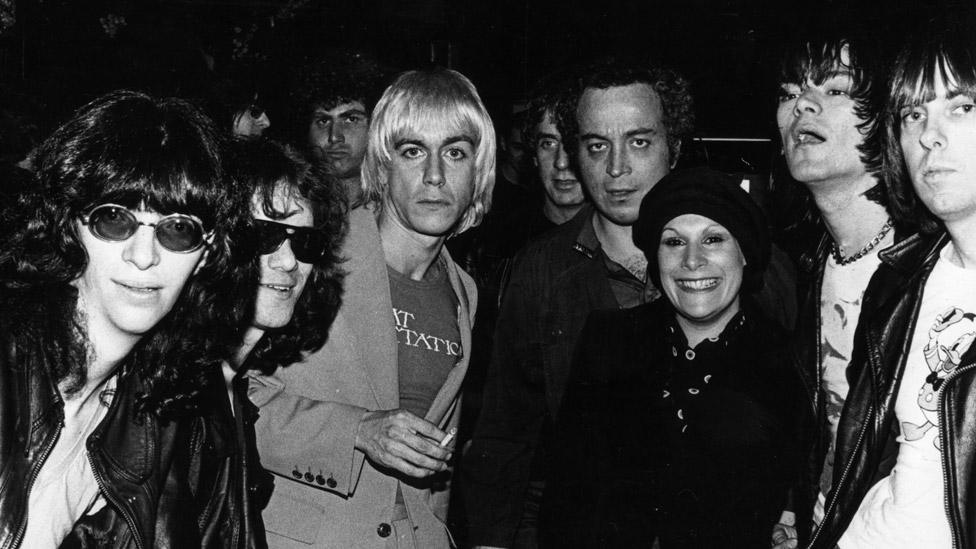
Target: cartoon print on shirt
949, 338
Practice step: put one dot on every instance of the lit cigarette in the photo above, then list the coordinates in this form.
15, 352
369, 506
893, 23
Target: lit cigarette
449, 437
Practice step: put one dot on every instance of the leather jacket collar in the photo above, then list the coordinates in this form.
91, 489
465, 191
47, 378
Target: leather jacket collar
866, 450
133, 458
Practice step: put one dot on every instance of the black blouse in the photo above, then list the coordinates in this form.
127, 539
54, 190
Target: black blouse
694, 446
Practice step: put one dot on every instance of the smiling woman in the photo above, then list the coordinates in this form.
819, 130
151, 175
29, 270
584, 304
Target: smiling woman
705, 241
685, 411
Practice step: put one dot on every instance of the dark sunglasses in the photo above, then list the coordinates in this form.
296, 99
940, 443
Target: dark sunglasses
176, 232
307, 244
255, 111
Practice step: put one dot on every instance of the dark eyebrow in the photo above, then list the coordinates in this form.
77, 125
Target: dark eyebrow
631, 133
839, 72
360, 112
952, 94
547, 135
457, 139
414, 142
639, 131
447, 141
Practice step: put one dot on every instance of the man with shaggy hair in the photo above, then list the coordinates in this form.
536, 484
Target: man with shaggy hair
119, 297
903, 474
830, 103
298, 224
360, 433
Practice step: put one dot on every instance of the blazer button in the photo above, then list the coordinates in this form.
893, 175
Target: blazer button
309, 477
384, 530
331, 482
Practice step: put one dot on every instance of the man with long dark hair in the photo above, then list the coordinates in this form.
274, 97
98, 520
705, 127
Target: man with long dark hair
830, 100
118, 290
298, 224
903, 475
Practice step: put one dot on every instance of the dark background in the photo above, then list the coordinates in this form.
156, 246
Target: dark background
57, 54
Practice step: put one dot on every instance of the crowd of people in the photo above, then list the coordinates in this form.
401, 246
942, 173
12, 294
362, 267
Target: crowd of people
363, 323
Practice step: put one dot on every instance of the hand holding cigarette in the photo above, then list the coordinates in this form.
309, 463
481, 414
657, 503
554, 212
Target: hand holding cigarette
400, 440
449, 437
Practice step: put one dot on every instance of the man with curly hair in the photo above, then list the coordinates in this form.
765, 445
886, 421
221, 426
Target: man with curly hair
624, 127
331, 112
359, 434
118, 293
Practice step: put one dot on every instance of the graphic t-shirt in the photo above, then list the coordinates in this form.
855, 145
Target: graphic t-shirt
840, 306
907, 509
65, 488
428, 338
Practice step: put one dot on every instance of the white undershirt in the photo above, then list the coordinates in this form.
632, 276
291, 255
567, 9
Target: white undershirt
840, 307
907, 508
65, 487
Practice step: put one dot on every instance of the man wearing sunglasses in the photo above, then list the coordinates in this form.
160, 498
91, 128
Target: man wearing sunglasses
116, 286
360, 433
298, 224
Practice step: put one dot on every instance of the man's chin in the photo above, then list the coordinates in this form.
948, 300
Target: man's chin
342, 170
624, 217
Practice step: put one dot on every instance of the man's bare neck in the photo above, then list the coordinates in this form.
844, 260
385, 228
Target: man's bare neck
850, 217
616, 240
251, 337
406, 252
963, 242
353, 186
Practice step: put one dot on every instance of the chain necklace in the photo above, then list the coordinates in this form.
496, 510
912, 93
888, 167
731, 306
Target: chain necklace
841, 260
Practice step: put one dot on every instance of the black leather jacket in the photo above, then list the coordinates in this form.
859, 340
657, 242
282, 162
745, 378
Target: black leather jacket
868, 424
144, 467
806, 355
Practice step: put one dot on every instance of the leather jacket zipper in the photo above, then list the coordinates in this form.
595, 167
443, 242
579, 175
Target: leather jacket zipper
847, 469
944, 433
22, 529
129, 519
869, 420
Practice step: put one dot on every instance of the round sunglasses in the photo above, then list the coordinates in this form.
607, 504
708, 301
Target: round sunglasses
176, 232
307, 244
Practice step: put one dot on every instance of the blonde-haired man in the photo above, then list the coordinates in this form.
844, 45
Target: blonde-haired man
360, 432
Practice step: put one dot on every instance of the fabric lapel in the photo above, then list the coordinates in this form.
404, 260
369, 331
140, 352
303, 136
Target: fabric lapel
372, 323
440, 408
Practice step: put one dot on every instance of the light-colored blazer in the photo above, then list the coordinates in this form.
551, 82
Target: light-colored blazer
326, 493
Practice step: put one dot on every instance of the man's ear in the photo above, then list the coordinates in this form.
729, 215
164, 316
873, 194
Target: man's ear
676, 155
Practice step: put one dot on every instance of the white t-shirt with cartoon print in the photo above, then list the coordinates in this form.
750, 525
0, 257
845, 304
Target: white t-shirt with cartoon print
907, 508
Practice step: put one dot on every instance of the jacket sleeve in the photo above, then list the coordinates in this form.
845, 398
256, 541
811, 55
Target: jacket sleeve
497, 464
573, 483
598, 493
301, 438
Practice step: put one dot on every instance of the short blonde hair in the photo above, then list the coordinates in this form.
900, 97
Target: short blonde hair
420, 98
